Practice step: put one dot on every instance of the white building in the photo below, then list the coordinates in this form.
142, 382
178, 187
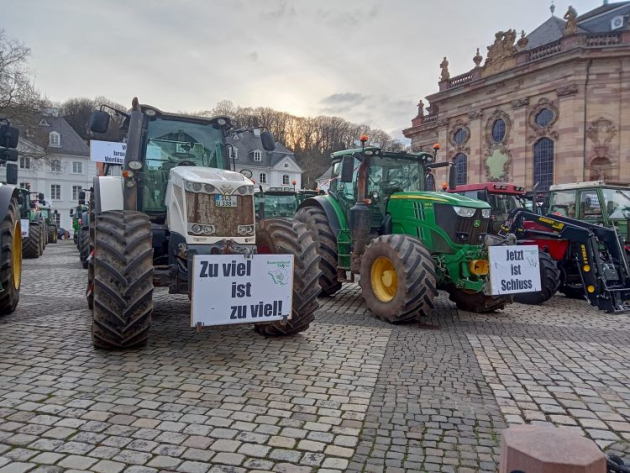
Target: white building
65, 170
275, 168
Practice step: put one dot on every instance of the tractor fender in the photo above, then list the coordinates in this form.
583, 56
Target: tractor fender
108, 193
7, 192
324, 203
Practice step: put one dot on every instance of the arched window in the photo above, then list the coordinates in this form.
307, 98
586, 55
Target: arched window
461, 165
498, 130
543, 163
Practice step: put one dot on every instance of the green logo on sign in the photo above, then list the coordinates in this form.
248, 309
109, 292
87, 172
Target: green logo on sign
477, 223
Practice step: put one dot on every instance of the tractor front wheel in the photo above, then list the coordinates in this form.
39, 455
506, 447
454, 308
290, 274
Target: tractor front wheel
317, 222
549, 282
10, 258
123, 280
398, 279
289, 237
32, 244
477, 301
52, 234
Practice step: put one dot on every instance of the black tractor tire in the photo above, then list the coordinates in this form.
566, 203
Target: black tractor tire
416, 281
53, 235
317, 222
573, 292
478, 302
89, 293
44, 236
290, 237
31, 245
10, 258
549, 282
84, 246
123, 280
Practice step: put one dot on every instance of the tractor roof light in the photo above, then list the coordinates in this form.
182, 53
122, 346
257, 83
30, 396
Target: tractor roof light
436, 146
364, 139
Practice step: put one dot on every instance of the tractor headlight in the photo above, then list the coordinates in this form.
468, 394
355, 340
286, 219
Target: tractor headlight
246, 229
197, 186
209, 229
196, 229
209, 188
188, 186
485, 213
246, 190
464, 211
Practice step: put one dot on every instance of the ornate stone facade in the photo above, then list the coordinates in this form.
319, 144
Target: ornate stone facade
545, 108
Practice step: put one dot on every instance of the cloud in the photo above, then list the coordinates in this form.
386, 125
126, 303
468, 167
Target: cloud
347, 98
253, 56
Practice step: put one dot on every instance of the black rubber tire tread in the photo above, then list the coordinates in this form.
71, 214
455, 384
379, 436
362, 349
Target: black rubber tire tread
317, 222
417, 280
549, 282
288, 236
10, 297
31, 245
123, 280
573, 292
90, 295
84, 246
44, 236
478, 302
52, 234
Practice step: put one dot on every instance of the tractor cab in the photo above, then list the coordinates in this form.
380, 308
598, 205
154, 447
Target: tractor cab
604, 203
504, 198
306, 193
276, 202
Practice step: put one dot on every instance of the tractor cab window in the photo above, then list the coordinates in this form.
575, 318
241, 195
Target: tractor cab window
173, 143
617, 203
590, 207
389, 175
502, 205
563, 203
344, 190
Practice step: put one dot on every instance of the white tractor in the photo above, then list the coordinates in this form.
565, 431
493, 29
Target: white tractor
175, 200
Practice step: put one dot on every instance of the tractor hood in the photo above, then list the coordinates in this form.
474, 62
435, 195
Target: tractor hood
443, 198
227, 182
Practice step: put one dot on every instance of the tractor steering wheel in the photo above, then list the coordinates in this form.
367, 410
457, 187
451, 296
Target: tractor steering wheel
186, 162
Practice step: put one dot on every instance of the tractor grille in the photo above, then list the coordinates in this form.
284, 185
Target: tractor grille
462, 230
201, 209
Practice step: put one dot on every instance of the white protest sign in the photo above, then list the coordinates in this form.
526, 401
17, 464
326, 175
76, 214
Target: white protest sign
109, 152
24, 224
514, 269
231, 289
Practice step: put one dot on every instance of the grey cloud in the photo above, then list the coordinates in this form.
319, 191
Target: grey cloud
347, 98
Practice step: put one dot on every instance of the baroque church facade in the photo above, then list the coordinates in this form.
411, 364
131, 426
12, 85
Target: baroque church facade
549, 107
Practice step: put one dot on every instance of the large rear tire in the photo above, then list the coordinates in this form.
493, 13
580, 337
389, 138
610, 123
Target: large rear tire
477, 302
287, 236
31, 246
84, 246
89, 293
44, 236
317, 222
10, 258
398, 280
123, 280
52, 234
549, 282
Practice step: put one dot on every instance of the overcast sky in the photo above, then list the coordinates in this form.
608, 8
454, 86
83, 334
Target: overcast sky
365, 60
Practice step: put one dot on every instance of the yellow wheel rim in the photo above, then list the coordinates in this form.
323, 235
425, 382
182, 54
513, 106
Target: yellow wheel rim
17, 255
384, 279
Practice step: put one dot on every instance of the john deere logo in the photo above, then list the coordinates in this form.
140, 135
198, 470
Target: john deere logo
477, 223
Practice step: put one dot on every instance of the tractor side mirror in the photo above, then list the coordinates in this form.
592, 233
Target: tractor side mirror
12, 173
41, 197
99, 121
347, 169
268, 142
82, 195
9, 136
452, 178
71, 212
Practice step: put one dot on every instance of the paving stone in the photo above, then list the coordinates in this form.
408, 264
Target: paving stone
17, 467
106, 466
76, 462
228, 458
48, 458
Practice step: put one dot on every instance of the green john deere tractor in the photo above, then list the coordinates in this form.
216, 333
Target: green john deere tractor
75, 213
49, 216
404, 242
34, 241
276, 202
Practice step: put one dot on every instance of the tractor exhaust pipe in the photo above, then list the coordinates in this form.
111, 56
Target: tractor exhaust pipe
360, 217
134, 152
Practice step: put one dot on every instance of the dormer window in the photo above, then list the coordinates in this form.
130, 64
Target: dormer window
54, 139
43, 122
257, 155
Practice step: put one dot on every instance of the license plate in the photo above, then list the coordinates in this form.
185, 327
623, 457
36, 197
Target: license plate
225, 200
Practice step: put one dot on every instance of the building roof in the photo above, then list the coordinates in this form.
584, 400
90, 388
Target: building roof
71, 142
597, 20
248, 142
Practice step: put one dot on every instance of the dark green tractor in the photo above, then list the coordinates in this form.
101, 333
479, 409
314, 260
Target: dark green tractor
50, 217
81, 225
379, 222
275, 202
34, 239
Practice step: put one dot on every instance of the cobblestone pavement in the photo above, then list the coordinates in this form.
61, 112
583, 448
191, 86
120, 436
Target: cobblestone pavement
350, 394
